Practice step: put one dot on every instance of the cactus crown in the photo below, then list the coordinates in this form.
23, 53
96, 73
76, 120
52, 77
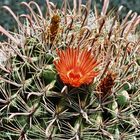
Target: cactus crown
72, 74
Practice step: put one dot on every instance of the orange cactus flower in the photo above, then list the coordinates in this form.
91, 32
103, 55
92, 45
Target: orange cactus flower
76, 67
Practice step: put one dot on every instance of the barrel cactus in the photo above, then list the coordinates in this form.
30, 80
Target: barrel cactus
70, 74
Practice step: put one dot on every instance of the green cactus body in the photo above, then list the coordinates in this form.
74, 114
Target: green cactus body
123, 98
71, 75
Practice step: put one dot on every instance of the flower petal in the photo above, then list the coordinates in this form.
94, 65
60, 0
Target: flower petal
75, 66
